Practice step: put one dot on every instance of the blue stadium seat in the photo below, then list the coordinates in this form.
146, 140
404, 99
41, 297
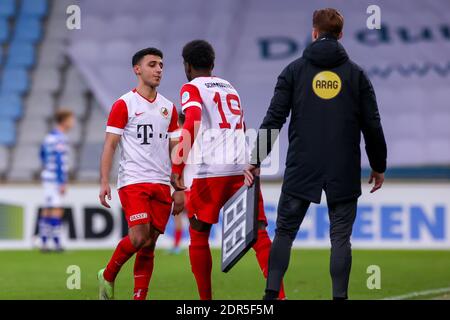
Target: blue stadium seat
21, 54
36, 8
14, 80
10, 106
4, 30
7, 8
7, 132
28, 29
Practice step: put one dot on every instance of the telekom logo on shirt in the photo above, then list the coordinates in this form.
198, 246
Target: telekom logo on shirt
145, 132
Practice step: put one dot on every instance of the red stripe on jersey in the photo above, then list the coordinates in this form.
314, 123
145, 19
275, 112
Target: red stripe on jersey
193, 115
190, 93
173, 126
118, 116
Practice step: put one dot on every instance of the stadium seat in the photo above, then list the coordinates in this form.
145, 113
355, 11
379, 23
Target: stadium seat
14, 80
51, 53
74, 102
7, 8
25, 163
21, 54
35, 8
4, 159
7, 132
74, 82
32, 131
46, 79
4, 30
75, 134
56, 30
10, 106
89, 165
95, 127
58, 9
28, 29
39, 104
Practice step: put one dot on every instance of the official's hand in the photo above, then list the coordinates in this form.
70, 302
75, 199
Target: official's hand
105, 191
378, 178
178, 202
177, 183
250, 172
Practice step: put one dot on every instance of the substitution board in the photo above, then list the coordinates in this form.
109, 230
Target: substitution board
239, 224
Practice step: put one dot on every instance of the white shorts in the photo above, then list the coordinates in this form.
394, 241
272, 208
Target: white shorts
52, 195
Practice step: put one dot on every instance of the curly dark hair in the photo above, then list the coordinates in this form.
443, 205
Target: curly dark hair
199, 54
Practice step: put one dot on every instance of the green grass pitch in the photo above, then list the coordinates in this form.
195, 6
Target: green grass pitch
33, 275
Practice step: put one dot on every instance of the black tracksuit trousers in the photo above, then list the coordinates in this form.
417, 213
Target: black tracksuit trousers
291, 212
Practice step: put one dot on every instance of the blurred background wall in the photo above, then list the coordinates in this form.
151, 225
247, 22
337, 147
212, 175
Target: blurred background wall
44, 65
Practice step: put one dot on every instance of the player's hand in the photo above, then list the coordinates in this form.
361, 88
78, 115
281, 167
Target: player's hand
105, 191
178, 202
378, 178
250, 172
62, 189
177, 182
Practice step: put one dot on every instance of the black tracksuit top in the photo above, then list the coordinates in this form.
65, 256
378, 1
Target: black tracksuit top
329, 111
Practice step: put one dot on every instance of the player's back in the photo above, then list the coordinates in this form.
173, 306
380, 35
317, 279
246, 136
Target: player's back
220, 147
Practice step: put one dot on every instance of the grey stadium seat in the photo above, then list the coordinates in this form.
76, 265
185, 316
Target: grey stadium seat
4, 157
40, 104
74, 83
57, 30
74, 102
90, 161
25, 163
32, 130
51, 53
75, 134
47, 79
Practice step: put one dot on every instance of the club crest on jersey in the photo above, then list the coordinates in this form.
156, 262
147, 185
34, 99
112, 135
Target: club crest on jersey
164, 112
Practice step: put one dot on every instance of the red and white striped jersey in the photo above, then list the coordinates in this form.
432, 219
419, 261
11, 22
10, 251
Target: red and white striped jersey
145, 127
220, 147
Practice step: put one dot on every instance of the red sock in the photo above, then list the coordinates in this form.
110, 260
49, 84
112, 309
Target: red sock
201, 262
143, 268
262, 249
123, 252
177, 237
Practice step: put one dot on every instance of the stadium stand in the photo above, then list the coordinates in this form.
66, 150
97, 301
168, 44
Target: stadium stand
43, 66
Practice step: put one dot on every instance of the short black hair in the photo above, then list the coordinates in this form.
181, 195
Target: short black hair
199, 54
137, 57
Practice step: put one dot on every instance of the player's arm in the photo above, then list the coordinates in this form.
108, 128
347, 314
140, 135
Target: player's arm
192, 108
117, 121
373, 132
109, 148
174, 132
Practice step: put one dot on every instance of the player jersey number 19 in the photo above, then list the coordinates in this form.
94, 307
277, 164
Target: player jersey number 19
229, 98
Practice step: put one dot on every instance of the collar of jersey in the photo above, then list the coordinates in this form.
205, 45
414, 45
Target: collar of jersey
151, 101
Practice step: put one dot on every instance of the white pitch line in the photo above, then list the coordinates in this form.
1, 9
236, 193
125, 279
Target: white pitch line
419, 294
